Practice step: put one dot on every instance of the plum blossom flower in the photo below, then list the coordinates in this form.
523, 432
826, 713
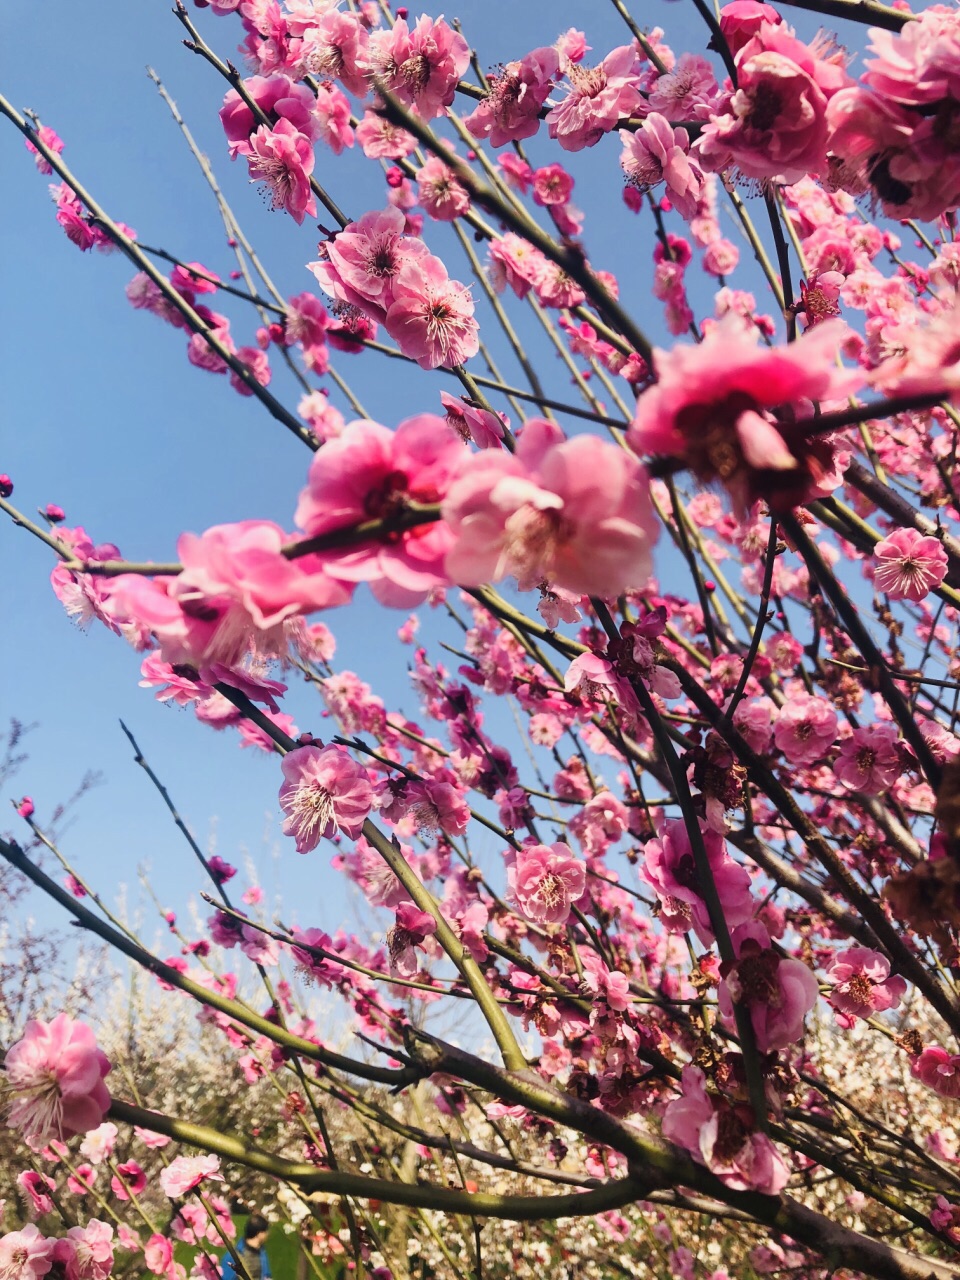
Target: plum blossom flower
598, 97
806, 728
657, 152
470, 422
410, 930
52, 141
722, 1137
908, 565
440, 191
183, 1173
283, 159
725, 408
511, 110
158, 1254
670, 869
361, 263
547, 881
369, 472
778, 991
741, 20
324, 791
869, 761
36, 1186
25, 1254
99, 1143
54, 1080
862, 985
421, 66
939, 1070
572, 513
431, 316
86, 1253
334, 47
277, 97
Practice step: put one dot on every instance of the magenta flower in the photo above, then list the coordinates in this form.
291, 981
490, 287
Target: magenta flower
741, 20
25, 1254
598, 97
52, 140
806, 728
481, 426
777, 990
938, 1070
129, 1180
568, 513
909, 565
324, 791
360, 265
86, 1253
54, 1075
511, 110
36, 1186
283, 159
411, 929
547, 881
862, 985
657, 152
431, 316
334, 47
669, 868
183, 1173
724, 408
870, 761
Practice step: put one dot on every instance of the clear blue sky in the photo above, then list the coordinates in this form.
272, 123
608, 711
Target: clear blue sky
102, 414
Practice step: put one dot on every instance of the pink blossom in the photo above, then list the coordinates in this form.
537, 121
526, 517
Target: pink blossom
547, 881
869, 761
598, 97
334, 47
25, 1254
919, 65
572, 513
283, 159
324, 791
741, 20
183, 1173
670, 869
431, 316
552, 185
369, 472
359, 266
657, 152
381, 140
437, 806
99, 1143
938, 1070
908, 564
440, 191
470, 422
277, 97
259, 366
411, 929
775, 124
52, 141
54, 1075
158, 1254
193, 277
332, 119
777, 990
862, 984
36, 1185
129, 1180
421, 67
724, 408
86, 1253
511, 110
514, 261
806, 728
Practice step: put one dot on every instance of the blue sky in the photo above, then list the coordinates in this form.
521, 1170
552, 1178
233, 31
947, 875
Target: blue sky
102, 414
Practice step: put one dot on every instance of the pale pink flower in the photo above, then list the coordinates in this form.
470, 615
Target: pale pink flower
99, 1143
598, 97
440, 191
421, 67
369, 472
158, 1254
86, 1253
754, 722
571, 513
276, 96
657, 152
184, 1173
908, 565
381, 140
775, 124
778, 991
436, 806
516, 263
670, 869
324, 791
547, 880
511, 110
919, 65
332, 119
283, 159
359, 266
431, 316
725, 406
54, 1076
870, 761
25, 1254
257, 363
806, 728
926, 356
862, 984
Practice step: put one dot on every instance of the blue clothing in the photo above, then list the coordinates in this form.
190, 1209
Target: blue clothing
228, 1267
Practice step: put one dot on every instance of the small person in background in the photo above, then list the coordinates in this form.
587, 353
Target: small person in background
252, 1252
